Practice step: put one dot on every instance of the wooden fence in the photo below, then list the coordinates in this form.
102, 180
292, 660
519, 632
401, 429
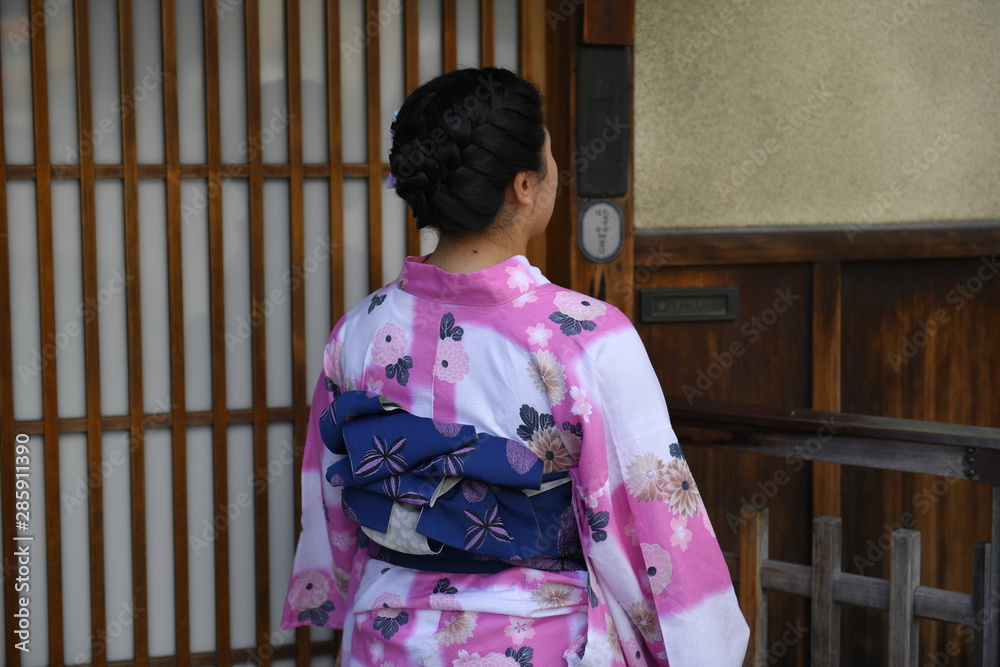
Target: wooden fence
944, 450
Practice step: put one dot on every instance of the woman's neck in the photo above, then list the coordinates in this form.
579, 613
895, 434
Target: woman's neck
464, 254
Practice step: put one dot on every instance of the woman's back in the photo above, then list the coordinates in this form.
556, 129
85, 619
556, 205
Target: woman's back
629, 570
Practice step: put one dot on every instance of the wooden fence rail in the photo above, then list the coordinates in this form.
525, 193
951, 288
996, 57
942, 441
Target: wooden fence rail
948, 450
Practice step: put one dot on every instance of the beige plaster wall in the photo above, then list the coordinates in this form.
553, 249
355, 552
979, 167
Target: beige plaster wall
782, 112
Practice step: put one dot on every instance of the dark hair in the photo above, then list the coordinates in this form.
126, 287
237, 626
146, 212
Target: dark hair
459, 140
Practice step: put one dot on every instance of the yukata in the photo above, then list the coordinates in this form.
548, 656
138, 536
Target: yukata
631, 574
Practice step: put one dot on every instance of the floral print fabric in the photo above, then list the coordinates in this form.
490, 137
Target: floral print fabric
565, 375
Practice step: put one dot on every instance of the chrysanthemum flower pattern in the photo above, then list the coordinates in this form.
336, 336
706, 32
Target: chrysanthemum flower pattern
547, 374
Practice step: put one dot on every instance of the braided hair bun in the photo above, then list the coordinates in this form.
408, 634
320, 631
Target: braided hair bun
459, 140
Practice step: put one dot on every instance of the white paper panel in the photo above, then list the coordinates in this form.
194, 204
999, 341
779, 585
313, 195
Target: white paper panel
352, 80
273, 93
17, 105
233, 81
160, 542
281, 523
191, 80
202, 533
197, 320
278, 282
240, 326
429, 41
112, 279
316, 232
238, 516
505, 34
468, 34
312, 33
106, 95
392, 80
146, 96
154, 283
29, 355
355, 241
119, 634
76, 487
59, 52
71, 310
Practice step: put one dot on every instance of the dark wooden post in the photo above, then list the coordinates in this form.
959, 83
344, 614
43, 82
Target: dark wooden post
904, 577
753, 599
826, 557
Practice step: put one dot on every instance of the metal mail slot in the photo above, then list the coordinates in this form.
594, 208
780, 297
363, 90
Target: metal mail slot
689, 304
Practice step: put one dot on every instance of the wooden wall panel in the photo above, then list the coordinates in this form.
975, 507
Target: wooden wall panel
919, 343
884, 328
693, 361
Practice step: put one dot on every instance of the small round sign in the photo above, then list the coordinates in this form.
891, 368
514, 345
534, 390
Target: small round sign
601, 232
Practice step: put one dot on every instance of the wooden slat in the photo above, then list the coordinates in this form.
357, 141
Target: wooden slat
7, 427
137, 444
904, 630
296, 249
336, 157
175, 279
752, 598
258, 340
91, 338
412, 45
216, 260
46, 288
487, 34
765, 245
825, 635
449, 35
826, 376
531, 66
374, 151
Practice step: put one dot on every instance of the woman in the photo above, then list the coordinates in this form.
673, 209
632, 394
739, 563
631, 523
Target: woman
474, 334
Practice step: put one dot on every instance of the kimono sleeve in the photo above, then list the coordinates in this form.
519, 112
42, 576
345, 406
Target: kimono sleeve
317, 588
653, 554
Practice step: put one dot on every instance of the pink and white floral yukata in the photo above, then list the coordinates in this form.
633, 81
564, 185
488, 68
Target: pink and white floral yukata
515, 355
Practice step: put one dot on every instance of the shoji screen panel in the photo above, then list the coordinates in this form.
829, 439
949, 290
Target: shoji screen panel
191, 193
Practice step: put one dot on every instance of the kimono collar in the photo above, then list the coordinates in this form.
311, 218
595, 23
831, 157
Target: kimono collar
492, 286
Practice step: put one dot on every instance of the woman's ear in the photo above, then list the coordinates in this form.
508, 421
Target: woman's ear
523, 189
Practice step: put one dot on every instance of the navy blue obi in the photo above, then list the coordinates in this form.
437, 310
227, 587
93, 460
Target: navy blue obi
443, 496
